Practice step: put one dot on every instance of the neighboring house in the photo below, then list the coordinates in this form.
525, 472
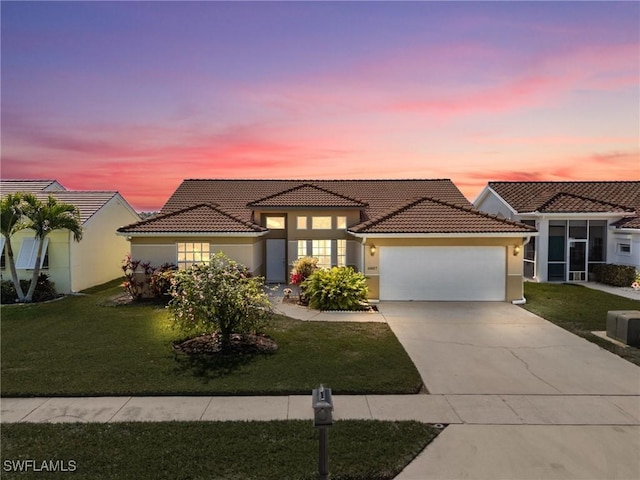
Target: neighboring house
71, 265
580, 224
413, 239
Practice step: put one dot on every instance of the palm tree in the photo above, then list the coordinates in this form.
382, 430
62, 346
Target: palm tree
45, 218
12, 210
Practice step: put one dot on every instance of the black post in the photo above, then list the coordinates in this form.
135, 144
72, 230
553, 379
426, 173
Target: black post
323, 454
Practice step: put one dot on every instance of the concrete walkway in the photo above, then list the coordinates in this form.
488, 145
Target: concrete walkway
626, 292
447, 409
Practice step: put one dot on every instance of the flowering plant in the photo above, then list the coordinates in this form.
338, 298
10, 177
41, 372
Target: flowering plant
219, 297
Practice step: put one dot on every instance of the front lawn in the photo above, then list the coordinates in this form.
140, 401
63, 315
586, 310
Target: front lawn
279, 450
81, 346
580, 310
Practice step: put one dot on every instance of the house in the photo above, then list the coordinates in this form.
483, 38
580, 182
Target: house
71, 265
580, 224
413, 239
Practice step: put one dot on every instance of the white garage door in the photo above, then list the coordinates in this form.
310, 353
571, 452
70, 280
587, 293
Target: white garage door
442, 273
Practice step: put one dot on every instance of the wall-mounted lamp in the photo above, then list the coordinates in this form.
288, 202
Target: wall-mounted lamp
372, 249
516, 250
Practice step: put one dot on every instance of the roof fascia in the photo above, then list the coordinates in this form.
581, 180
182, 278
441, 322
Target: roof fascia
604, 215
191, 234
446, 235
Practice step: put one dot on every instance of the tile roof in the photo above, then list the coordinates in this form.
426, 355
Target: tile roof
307, 196
429, 215
395, 206
87, 202
568, 202
526, 197
200, 218
29, 186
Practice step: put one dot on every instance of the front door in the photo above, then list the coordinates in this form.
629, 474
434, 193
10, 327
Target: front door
276, 260
577, 260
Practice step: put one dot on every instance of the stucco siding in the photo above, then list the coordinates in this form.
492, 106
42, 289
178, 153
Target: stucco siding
97, 258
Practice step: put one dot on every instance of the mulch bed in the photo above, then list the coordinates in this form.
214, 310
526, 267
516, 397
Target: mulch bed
210, 344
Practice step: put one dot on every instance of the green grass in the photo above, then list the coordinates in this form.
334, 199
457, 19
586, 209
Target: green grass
580, 310
366, 450
81, 346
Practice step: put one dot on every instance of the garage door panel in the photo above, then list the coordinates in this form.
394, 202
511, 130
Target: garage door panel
442, 273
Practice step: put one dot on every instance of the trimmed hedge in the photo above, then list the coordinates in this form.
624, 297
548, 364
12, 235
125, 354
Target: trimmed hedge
615, 275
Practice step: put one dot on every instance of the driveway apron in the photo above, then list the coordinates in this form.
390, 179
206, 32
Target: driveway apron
499, 348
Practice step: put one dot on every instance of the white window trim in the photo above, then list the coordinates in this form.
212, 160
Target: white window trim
28, 253
619, 248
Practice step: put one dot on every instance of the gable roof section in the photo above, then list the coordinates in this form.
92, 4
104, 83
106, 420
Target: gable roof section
307, 196
200, 218
88, 202
431, 216
526, 197
570, 203
29, 186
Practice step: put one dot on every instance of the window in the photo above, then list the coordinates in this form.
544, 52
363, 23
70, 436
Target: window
341, 222
276, 223
192, 254
321, 223
623, 248
341, 251
28, 253
302, 223
321, 249
302, 248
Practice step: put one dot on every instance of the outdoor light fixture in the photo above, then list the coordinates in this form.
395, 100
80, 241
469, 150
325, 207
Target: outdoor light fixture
373, 250
516, 250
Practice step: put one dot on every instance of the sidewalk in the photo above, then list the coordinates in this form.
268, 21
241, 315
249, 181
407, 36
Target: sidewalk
626, 292
447, 409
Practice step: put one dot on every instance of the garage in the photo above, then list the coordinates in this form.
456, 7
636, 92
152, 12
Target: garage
443, 273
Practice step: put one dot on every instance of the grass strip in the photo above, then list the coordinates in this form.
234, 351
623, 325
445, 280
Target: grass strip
81, 346
580, 310
359, 450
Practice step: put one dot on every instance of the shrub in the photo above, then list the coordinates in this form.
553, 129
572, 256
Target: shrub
133, 284
45, 290
615, 275
220, 297
302, 269
338, 288
160, 280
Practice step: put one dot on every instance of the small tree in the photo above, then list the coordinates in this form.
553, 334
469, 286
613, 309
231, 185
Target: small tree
219, 297
46, 217
12, 211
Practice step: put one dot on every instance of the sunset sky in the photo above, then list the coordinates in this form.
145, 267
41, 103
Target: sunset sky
137, 96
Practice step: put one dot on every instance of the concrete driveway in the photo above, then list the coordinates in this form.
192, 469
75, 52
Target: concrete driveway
497, 357
499, 348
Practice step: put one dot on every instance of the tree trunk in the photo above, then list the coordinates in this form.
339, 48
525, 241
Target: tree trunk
12, 268
36, 273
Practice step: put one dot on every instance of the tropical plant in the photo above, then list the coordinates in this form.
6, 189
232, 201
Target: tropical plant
302, 269
12, 211
219, 297
338, 288
133, 284
46, 217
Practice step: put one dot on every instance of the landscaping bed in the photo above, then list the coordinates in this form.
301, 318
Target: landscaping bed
279, 450
580, 310
81, 346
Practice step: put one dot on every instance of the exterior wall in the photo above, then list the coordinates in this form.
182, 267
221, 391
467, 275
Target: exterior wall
159, 250
58, 251
492, 204
633, 258
514, 283
292, 234
97, 258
